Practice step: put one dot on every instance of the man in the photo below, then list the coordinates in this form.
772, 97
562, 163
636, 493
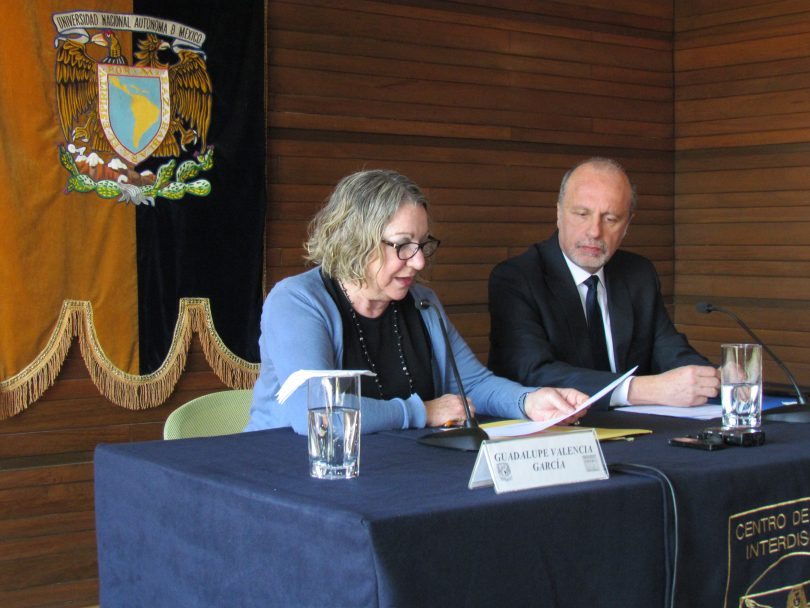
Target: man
540, 305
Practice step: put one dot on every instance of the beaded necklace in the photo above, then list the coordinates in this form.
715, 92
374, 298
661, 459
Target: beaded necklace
367, 356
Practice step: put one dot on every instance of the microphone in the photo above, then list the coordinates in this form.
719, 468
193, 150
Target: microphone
469, 436
790, 413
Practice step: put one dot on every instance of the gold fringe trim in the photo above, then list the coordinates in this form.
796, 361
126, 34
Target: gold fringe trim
127, 390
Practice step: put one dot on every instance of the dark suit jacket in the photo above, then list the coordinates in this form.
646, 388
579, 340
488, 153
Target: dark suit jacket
539, 336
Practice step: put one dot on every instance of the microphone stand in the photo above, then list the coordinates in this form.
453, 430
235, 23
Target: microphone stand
794, 412
469, 436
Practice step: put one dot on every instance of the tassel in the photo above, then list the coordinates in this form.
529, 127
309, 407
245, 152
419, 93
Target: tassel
130, 391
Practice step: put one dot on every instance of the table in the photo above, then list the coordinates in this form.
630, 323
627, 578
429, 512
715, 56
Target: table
236, 521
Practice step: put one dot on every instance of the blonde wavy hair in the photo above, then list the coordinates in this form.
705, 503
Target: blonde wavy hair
346, 234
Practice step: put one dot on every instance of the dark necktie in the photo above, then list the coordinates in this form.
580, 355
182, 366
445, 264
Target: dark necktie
596, 326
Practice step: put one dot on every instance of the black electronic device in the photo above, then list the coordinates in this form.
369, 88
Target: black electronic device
469, 436
745, 437
710, 444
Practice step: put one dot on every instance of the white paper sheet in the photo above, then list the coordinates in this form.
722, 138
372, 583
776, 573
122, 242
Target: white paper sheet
533, 426
296, 379
699, 412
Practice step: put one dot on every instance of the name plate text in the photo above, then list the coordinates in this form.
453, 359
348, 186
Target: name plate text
539, 460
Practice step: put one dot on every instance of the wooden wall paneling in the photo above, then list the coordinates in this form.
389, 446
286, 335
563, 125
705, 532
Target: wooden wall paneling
742, 179
694, 15
47, 531
70, 594
619, 14
485, 110
47, 522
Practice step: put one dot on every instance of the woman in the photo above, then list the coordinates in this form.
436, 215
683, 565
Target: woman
357, 310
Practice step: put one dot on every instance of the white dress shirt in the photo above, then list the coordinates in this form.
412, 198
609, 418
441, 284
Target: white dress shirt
619, 395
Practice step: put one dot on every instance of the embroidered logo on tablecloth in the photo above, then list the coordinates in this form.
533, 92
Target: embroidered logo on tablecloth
769, 556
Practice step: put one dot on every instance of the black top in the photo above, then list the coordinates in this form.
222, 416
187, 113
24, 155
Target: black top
382, 347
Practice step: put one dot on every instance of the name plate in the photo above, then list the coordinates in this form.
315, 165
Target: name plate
539, 460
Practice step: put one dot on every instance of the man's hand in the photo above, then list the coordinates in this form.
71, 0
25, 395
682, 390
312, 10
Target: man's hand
547, 403
683, 387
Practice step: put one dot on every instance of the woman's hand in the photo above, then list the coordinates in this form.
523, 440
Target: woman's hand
447, 410
547, 403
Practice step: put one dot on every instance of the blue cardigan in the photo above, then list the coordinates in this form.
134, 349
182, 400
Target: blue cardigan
301, 328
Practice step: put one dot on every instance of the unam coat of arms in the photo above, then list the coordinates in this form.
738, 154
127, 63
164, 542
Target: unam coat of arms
116, 113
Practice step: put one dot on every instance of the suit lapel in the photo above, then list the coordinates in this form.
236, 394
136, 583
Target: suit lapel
561, 284
620, 305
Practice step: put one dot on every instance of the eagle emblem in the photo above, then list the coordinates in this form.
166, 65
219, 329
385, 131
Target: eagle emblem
115, 113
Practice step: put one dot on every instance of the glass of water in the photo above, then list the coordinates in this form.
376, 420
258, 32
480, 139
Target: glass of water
333, 418
741, 385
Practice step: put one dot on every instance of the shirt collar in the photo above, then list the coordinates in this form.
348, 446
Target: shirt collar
580, 275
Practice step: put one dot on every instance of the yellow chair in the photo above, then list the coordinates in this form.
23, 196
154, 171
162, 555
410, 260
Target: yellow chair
220, 413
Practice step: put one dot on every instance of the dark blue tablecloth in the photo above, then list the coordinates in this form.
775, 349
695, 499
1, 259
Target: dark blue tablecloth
237, 521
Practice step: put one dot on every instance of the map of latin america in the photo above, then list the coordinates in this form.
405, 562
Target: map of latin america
143, 111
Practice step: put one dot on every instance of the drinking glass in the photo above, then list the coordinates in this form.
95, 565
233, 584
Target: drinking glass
741, 385
333, 418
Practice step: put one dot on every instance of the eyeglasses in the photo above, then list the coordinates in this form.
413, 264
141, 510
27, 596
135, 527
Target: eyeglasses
405, 251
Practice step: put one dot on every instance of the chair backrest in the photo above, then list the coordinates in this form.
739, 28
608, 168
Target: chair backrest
220, 413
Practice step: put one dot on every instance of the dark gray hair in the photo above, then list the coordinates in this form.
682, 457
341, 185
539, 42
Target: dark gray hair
602, 163
346, 233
